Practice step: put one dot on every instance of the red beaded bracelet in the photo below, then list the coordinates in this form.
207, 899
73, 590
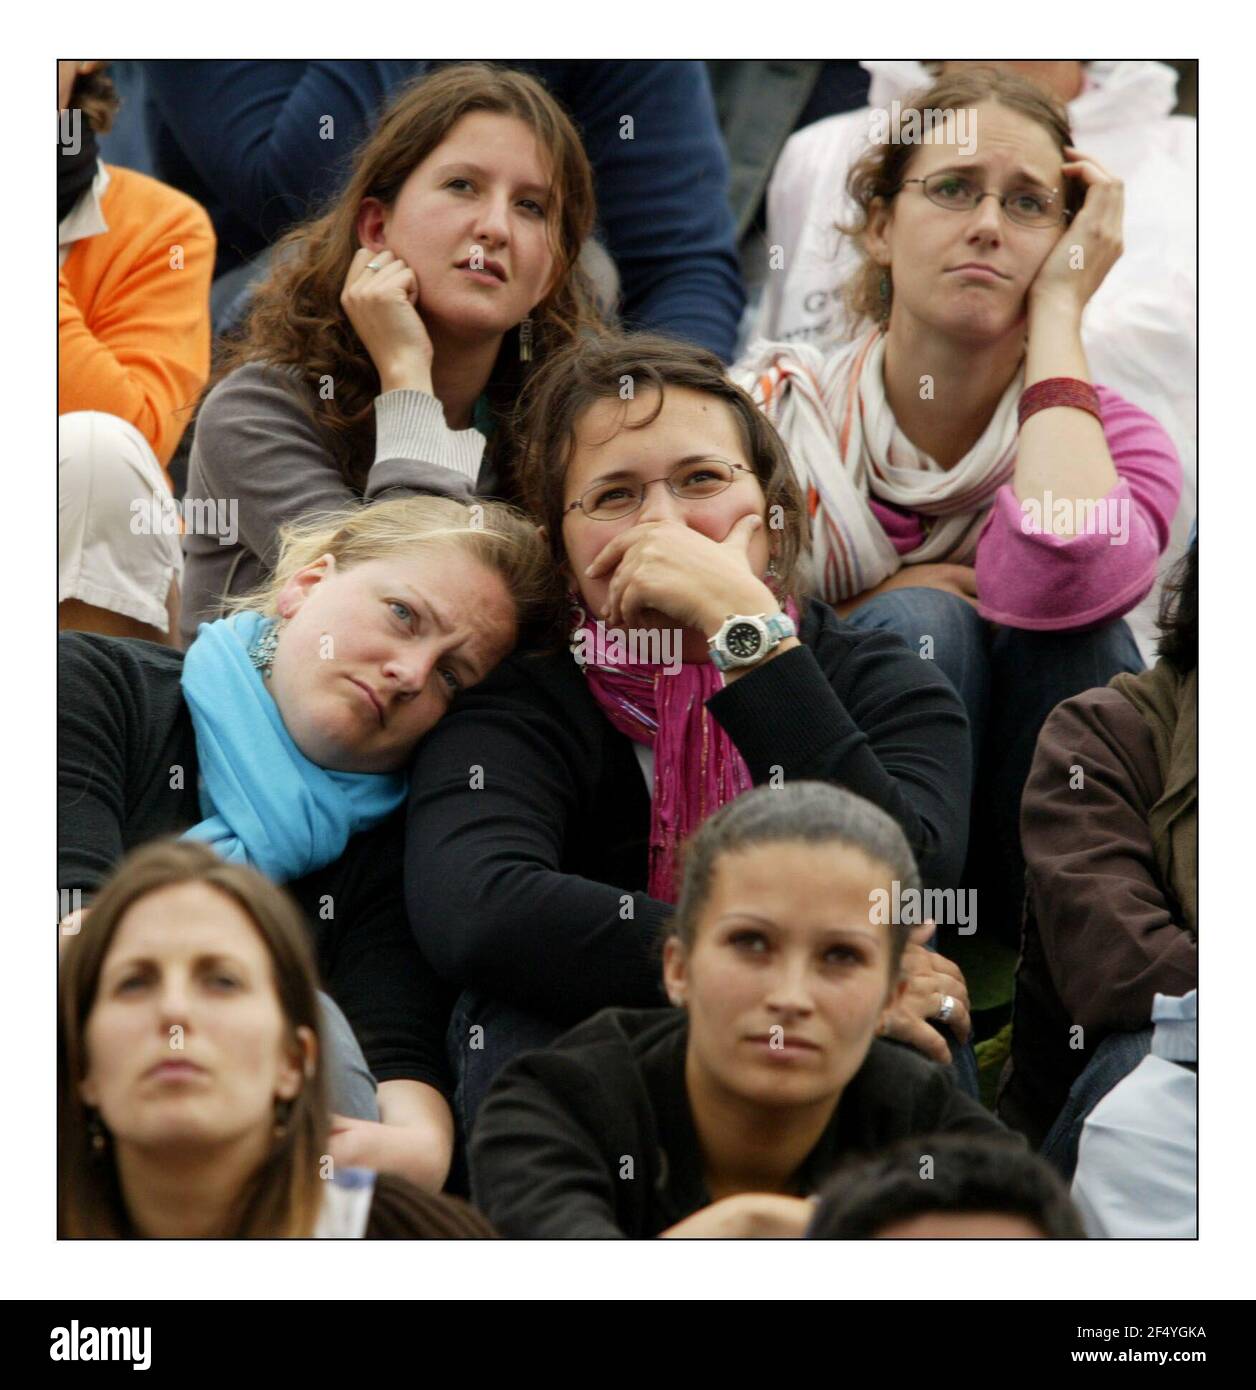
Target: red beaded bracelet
1058, 390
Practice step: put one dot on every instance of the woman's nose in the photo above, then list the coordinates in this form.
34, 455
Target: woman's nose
492, 224
408, 670
987, 219
659, 504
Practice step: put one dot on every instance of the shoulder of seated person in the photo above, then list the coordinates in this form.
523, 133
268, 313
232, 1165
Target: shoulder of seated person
610, 1039
1102, 714
158, 202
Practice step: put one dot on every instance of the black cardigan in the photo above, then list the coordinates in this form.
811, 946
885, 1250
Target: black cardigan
552, 1141
127, 773
528, 835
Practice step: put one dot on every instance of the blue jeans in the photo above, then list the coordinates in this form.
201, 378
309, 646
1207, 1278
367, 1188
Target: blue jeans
1009, 680
483, 1035
1114, 1059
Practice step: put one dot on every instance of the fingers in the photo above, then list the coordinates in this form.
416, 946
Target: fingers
919, 1034
921, 935
743, 531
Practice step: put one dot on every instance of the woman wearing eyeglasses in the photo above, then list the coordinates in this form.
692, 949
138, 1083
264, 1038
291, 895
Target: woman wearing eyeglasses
549, 808
969, 487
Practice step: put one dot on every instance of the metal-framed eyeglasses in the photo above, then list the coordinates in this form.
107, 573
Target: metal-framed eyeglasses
691, 480
1028, 205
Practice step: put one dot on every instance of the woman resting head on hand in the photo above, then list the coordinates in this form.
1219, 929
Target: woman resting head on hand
191, 1090
735, 1109
448, 262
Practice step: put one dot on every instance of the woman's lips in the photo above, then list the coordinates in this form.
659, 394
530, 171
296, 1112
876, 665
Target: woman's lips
175, 1071
979, 272
371, 698
485, 276
785, 1048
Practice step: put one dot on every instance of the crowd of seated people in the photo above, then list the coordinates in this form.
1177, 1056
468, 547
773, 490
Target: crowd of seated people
528, 767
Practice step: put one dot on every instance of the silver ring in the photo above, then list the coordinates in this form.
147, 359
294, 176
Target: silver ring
947, 1009
374, 265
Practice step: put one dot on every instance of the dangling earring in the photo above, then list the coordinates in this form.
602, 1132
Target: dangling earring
262, 652
283, 1113
96, 1133
884, 291
525, 339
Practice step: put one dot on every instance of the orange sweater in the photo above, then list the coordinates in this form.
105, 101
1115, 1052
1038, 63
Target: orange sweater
133, 328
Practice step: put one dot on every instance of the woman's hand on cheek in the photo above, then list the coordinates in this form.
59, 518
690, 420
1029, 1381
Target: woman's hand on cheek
677, 571
1089, 246
382, 306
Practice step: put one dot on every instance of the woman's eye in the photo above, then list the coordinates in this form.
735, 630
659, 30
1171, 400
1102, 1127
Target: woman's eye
752, 942
459, 183
130, 984
1030, 202
609, 496
533, 207
452, 681
841, 955
224, 982
401, 610
952, 188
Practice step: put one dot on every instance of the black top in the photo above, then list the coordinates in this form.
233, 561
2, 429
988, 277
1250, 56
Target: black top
528, 835
593, 1137
127, 773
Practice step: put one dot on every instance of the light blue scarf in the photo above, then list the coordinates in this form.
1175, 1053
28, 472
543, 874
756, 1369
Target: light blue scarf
264, 802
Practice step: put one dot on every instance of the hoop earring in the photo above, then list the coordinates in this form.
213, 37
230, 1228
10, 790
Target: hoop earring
525, 339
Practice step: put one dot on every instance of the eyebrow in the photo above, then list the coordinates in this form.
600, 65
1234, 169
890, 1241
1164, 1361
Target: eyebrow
148, 962
467, 166
473, 673
982, 168
826, 933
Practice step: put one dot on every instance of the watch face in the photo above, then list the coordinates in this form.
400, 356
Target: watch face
744, 640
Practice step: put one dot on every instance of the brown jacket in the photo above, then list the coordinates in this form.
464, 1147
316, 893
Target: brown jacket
1102, 933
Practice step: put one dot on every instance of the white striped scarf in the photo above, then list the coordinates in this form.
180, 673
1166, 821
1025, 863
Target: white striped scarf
845, 446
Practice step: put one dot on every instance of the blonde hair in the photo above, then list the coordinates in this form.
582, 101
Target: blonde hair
498, 536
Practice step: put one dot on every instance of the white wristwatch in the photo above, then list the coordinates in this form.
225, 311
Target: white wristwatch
745, 639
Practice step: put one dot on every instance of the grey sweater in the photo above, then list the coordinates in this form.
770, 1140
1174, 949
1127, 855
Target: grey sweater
259, 461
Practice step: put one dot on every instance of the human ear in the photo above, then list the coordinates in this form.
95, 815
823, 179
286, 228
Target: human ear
876, 236
675, 971
372, 224
302, 584
299, 1066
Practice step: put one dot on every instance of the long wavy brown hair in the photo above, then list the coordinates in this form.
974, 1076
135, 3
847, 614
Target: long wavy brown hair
284, 1196
296, 320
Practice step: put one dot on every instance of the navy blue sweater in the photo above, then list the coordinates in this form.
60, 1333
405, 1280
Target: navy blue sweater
243, 138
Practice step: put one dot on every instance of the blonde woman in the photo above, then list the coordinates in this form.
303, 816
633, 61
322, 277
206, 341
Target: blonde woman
281, 739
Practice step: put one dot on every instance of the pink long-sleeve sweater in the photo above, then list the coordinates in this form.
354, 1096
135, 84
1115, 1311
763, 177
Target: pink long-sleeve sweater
1029, 578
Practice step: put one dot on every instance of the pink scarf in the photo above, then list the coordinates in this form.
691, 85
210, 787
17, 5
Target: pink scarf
697, 767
